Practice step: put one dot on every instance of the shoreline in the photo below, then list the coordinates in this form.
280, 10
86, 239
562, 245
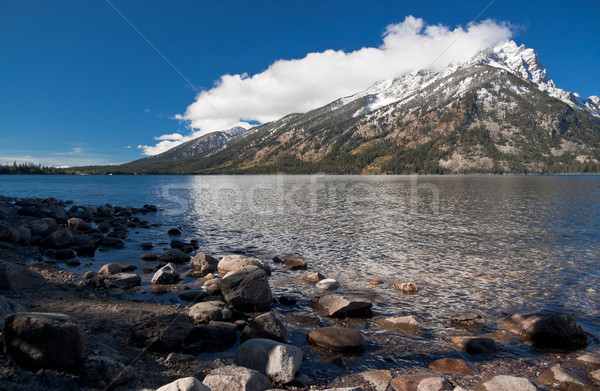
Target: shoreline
107, 319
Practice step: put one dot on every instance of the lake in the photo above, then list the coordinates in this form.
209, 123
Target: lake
492, 244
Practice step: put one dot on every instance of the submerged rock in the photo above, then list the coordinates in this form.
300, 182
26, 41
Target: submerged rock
559, 331
475, 345
406, 287
328, 284
295, 263
405, 323
338, 339
469, 320
451, 365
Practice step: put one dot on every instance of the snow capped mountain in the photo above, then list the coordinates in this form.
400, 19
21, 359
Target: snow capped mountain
496, 113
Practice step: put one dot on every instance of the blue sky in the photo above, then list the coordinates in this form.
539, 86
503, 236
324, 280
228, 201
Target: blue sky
79, 86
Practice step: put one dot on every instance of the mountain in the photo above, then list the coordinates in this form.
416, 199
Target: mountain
189, 149
497, 113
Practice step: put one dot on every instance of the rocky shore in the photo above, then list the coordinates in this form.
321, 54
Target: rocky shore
228, 330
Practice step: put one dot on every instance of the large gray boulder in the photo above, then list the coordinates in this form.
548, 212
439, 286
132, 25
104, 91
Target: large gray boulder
231, 263
210, 310
278, 361
247, 290
339, 307
558, 331
235, 378
185, 384
267, 326
204, 263
43, 340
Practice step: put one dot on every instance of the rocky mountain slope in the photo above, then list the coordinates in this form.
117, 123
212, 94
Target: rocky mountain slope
497, 113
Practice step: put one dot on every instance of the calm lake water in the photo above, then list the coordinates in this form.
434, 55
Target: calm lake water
491, 244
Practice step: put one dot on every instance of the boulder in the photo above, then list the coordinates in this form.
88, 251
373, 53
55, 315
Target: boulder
110, 268
558, 331
469, 320
558, 378
404, 323
434, 384
339, 307
235, 378
8, 306
43, 340
210, 310
79, 224
266, 326
213, 286
61, 238
295, 263
111, 242
311, 277
185, 384
287, 300
475, 345
327, 284
147, 245
9, 234
406, 287
174, 256
278, 361
338, 339
204, 263
452, 366
175, 231
105, 373
149, 257
247, 290
231, 263
167, 274
15, 277
505, 383
194, 295
164, 333
122, 281
211, 337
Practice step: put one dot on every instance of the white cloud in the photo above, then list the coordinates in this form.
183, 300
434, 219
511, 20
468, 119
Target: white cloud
299, 85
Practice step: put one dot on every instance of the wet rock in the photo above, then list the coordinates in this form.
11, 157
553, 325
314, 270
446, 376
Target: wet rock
589, 360
175, 231
8, 306
174, 256
211, 337
79, 224
213, 286
89, 274
469, 320
452, 366
434, 384
278, 361
210, 310
266, 326
295, 263
43, 340
475, 345
287, 300
505, 383
235, 378
558, 378
122, 281
376, 282
73, 262
84, 245
311, 277
61, 238
149, 257
327, 284
247, 290
111, 242
405, 323
9, 234
127, 267
339, 307
558, 331
231, 263
65, 253
185, 384
406, 287
105, 373
379, 378
110, 268
204, 263
147, 246
163, 333
277, 260
338, 339
194, 295
168, 274
38, 228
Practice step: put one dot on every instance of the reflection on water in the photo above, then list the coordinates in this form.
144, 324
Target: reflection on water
491, 244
